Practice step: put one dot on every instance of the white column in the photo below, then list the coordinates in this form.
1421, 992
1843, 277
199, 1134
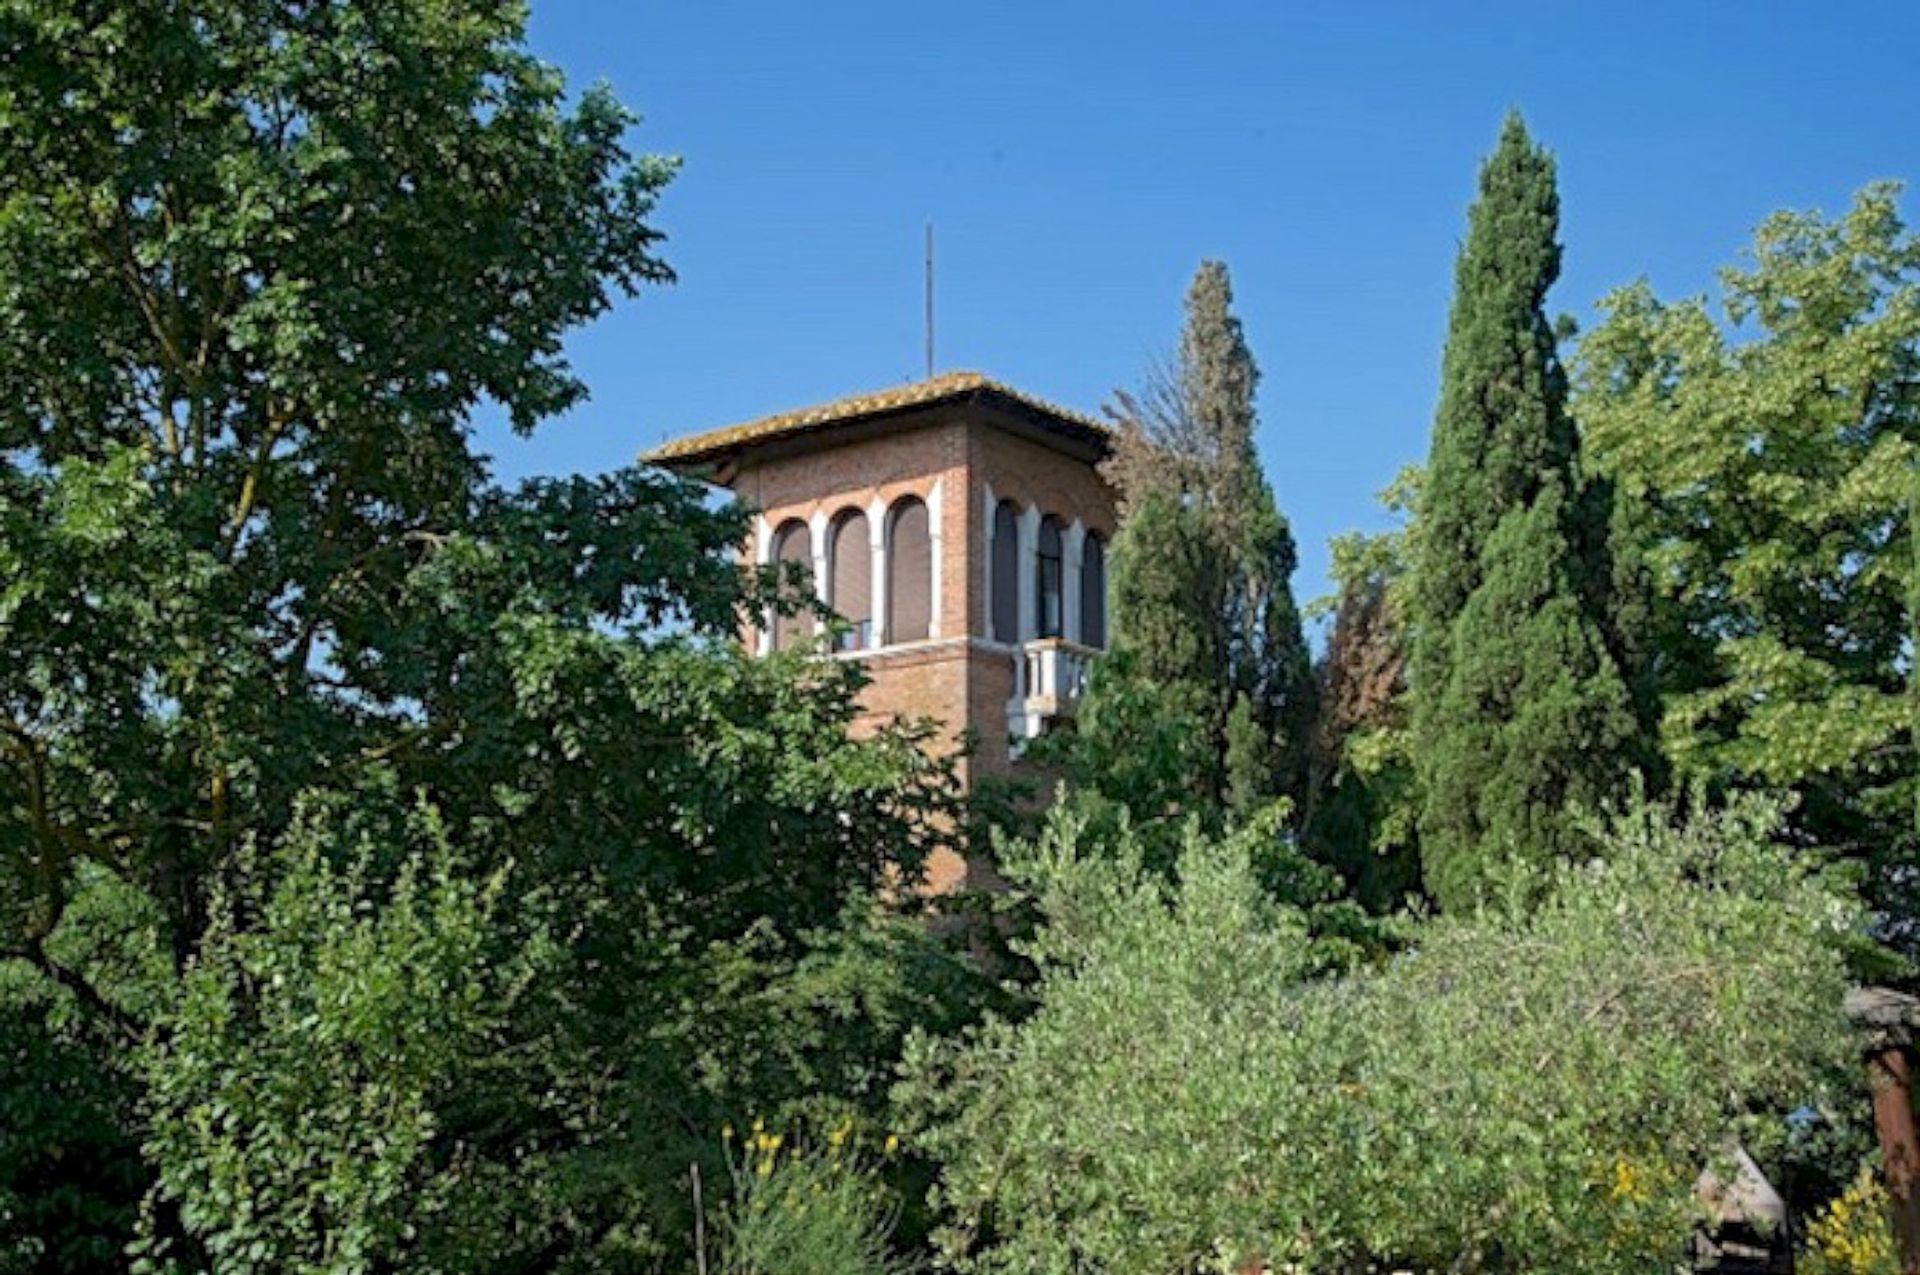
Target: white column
935, 539
877, 595
817, 529
1072, 548
1029, 567
762, 555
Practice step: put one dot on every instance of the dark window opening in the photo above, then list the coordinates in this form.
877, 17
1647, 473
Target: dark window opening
1093, 592
851, 572
1050, 610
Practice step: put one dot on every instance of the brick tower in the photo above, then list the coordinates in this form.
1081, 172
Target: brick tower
959, 526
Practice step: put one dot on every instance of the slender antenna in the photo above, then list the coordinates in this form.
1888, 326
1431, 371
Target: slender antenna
929, 299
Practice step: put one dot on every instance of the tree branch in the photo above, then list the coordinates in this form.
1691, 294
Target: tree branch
301, 648
35, 954
270, 436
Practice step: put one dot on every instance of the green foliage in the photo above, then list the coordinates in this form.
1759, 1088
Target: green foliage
1361, 797
1166, 572
1770, 442
1137, 746
71, 1175
1203, 605
259, 265
1245, 762
1528, 718
1502, 428
69, 1170
302, 1089
1060, 1138
1514, 564
1363, 826
807, 1212
1531, 1086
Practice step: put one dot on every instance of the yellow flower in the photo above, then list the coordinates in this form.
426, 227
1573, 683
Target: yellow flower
1851, 1234
1629, 1182
893, 1143
726, 1133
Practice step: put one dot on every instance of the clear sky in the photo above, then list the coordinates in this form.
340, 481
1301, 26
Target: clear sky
1078, 160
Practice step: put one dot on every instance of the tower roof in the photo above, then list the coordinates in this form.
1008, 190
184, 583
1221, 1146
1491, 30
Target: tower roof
715, 449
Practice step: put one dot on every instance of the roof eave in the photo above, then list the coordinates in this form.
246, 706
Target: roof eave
720, 463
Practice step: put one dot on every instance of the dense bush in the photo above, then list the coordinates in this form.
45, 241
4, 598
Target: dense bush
1531, 1086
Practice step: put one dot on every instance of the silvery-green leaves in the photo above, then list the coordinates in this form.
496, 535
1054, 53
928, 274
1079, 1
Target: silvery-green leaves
1531, 1086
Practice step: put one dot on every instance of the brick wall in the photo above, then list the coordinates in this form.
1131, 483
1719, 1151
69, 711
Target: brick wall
948, 457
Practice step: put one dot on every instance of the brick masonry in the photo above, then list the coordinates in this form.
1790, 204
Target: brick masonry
948, 455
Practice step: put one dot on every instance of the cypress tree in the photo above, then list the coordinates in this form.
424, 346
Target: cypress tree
1203, 596
1168, 577
1521, 711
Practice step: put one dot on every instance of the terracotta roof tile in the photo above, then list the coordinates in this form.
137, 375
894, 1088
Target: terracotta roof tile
943, 388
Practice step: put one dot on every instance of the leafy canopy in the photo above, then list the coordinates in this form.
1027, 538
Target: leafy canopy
1770, 438
263, 606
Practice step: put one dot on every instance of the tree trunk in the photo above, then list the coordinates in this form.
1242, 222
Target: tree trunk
1890, 1071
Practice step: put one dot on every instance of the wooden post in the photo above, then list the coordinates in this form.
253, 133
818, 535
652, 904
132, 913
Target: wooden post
1887, 1020
1890, 1071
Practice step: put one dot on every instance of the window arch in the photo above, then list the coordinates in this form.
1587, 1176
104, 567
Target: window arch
792, 543
909, 572
1093, 591
1003, 622
850, 579
1049, 577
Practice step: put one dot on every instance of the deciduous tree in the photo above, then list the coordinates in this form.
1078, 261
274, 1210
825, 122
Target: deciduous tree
260, 265
1360, 791
1770, 442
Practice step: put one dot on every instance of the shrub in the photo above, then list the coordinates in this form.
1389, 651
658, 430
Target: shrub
1851, 1236
807, 1211
1532, 1086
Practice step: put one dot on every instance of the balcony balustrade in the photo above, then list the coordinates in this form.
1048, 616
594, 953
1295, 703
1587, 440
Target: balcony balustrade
1049, 678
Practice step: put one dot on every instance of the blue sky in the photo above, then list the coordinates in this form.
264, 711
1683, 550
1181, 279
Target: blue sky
1079, 159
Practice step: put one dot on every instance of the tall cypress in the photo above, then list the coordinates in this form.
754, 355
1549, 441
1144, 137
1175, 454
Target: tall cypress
1522, 714
1203, 589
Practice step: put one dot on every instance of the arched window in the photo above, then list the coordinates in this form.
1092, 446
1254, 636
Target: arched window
792, 543
850, 570
1049, 610
909, 572
1004, 622
1093, 591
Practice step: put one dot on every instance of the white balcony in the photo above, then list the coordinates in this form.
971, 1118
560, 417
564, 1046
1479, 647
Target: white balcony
1049, 677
